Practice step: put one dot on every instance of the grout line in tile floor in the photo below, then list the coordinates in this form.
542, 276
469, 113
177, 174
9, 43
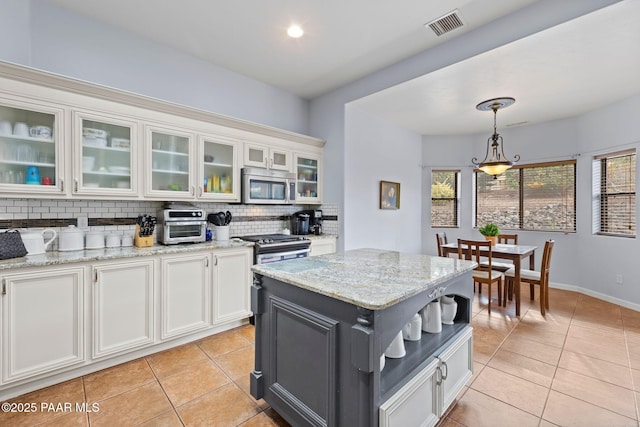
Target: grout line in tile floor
588, 326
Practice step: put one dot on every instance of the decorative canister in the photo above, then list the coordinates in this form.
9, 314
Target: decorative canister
449, 309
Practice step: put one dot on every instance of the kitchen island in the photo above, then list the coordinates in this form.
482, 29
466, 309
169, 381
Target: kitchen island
323, 323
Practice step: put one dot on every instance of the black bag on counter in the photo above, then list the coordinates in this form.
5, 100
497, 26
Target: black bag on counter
11, 245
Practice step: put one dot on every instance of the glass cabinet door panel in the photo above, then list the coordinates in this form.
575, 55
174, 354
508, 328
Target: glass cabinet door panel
170, 165
307, 177
219, 172
106, 156
28, 151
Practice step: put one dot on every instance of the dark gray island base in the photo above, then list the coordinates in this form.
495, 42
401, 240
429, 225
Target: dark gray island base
323, 323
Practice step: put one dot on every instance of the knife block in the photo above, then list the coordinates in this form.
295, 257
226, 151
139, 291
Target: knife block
142, 241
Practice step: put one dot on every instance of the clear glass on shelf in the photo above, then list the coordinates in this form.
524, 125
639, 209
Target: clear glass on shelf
27, 148
307, 177
106, 156
218, 169
169, 162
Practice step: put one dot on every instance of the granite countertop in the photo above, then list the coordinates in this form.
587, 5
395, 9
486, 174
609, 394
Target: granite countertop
57, 257
321, 236
369, 278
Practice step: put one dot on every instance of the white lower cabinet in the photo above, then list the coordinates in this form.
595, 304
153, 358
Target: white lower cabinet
426, 397
323, 246
42, 321
123, 306
232, 280
185, 294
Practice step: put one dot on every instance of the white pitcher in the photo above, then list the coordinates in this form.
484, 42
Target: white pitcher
449, 308
431, 318
412, 331
34, 241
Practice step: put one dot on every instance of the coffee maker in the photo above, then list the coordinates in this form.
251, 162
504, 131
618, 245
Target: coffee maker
313, 226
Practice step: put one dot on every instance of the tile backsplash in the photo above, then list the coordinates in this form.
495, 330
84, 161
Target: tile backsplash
118, 217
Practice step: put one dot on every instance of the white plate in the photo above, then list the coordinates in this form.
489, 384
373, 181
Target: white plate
119, 169
98, 133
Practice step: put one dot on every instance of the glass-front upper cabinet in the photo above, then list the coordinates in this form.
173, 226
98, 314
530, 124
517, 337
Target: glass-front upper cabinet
169, 154
262, 156
106, 155
31, 152
308, 179
219, 174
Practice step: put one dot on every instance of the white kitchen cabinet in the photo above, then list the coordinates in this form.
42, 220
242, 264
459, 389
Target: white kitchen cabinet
263, 156
218, 169
105, 155
308, 169
322, 246
42, 321
123, 306
426, 397
232, 280
32, 152
169, 156
185, 294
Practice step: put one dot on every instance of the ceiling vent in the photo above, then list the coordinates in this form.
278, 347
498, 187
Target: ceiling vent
446, 23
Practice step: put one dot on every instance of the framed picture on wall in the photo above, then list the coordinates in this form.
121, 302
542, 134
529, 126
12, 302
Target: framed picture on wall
389, 195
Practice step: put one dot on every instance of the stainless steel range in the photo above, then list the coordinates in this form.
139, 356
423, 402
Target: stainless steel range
278, 247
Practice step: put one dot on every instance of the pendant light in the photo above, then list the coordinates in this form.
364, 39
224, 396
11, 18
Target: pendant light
498, 163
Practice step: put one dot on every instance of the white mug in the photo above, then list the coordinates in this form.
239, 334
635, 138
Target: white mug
21, 129
431, 318
412, 331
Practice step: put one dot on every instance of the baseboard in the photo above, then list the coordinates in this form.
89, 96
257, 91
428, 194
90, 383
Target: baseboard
594, 294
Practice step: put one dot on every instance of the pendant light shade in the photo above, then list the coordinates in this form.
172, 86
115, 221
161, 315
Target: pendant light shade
498, 163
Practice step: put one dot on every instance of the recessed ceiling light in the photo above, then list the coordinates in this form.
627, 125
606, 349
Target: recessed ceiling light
295, 31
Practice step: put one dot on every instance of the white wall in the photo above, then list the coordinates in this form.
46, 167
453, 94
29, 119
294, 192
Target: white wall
377, 151
580, 259
63, 42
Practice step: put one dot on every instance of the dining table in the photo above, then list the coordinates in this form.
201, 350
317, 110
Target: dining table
515, 253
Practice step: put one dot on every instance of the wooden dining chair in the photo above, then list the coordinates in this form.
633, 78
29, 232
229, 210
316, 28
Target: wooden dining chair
441, 238
540, 278
508, 239
470, 250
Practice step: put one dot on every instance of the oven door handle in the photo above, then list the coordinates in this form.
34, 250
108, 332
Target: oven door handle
198, 222
278, 255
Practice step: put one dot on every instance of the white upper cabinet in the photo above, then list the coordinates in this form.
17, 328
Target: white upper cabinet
105, 155
168, 159
308, 168
218, 169
31, 148
263, 156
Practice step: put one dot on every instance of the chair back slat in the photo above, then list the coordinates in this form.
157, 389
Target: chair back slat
441, 238
546, 261
508, 239
470, 250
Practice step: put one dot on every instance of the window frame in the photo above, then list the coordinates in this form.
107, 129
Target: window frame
521, 197
455, 199
599, 176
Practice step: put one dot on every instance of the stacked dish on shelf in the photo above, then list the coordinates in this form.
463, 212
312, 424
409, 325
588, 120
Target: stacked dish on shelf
92, 137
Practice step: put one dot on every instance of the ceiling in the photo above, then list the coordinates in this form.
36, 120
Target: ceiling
560, 72
343, 40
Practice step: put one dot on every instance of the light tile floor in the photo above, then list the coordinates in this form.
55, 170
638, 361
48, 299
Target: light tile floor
579, 365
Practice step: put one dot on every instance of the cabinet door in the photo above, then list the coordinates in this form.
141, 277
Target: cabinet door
279, 159
122, 306
456, 367
105, 154
42, 322
256, 155
231, 285
323, 246
31, 148
219, 174
308, 179
415, 404
186, 284
168, 158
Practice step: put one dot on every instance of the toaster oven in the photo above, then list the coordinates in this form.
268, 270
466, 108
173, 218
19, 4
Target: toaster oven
181, 226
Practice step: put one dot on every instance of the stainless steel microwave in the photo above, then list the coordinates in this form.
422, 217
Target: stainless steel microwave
268, 187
